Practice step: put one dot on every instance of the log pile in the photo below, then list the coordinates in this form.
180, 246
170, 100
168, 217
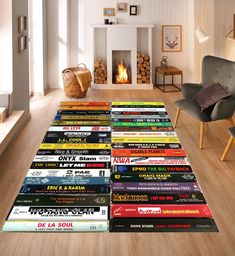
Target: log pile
100, 71
143, 68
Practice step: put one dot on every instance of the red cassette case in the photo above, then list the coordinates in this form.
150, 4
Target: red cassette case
160, 211
148, 152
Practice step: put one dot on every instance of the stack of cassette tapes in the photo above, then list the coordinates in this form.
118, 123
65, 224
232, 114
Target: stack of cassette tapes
153, 186
68, 184
153, 189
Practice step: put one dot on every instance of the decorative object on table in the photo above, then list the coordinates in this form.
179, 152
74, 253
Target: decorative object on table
122, 7
133, 10
106, 21
22, 24
3, 113
77, 80
213, 69
230, 142
114, 21
143, 68
109, 12
231, 34
171, 38
22, 43
164, 62
168, 71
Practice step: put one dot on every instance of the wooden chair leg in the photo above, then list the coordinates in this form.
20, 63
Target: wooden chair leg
230, 142
231, 121
202, 129
177, 117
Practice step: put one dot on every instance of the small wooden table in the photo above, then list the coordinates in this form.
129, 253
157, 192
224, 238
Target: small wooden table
168, 71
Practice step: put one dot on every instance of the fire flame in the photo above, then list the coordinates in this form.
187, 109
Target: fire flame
122, 76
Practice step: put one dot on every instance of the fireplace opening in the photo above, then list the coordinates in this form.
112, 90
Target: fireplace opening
121, 67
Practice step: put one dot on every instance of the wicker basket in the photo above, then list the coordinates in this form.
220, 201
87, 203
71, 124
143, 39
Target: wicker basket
72, 88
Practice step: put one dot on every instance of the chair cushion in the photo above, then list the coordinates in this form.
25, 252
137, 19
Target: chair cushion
210, 95
191, 106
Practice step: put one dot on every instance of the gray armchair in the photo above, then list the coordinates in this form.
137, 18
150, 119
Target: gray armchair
214, 70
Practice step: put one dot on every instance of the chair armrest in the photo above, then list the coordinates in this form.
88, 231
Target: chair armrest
223, 109
189, 90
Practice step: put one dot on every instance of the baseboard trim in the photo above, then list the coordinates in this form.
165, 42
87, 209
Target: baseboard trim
39, 94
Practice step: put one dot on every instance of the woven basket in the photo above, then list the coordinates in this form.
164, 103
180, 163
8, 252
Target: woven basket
72, 88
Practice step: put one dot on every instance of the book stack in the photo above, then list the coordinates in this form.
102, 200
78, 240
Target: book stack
153, 186
67, 186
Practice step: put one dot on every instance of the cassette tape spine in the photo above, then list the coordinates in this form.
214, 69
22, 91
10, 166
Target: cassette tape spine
70, 165
160, 211
64, 189
62, 200
148, 152
72, 158
148, 198
163, 225
153, 177
81, 152
151, 168
155, 187
66, 181
56, 226
59, 213
68, 173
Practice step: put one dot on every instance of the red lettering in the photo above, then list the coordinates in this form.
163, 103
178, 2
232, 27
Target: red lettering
41, 225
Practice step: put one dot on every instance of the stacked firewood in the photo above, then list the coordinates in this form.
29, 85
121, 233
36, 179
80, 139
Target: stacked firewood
143, 68
100, 71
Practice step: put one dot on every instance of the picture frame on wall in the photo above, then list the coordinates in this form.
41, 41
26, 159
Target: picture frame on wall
22, 24
172, 38
109, 12
122, 7
133, 10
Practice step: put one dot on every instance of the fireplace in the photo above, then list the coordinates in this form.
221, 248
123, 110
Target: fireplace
121, 65
122, 56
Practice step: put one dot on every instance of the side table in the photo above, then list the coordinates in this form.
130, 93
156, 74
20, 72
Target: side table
168, 71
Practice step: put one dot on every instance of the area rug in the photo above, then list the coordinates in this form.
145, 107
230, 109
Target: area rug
117, 167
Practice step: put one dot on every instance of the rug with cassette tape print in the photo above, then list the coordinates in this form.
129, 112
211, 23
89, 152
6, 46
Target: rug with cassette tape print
110, 167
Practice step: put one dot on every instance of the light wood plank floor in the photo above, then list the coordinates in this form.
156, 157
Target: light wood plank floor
217, 181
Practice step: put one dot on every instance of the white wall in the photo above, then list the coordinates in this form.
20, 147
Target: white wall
58, 44
224, 11
20, 61
14, 67
6, 72
87, 12
38, 49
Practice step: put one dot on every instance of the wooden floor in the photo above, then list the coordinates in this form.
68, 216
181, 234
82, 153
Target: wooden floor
217, 181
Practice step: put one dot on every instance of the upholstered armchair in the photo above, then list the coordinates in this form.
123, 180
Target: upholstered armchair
214, 70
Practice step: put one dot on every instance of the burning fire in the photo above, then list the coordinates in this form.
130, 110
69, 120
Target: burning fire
122, 76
